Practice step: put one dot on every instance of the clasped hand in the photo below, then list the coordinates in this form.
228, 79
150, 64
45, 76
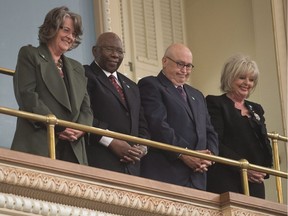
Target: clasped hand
197, 164
70, 134
256, 177
126, 152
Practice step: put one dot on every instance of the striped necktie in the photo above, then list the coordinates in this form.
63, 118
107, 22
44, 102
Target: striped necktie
117, 87
182, 93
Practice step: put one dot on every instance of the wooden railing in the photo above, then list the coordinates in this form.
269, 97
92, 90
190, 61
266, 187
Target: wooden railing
244, 165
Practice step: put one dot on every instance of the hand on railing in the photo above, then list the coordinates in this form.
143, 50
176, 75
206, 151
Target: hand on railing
256, 177
70, 134
197, 164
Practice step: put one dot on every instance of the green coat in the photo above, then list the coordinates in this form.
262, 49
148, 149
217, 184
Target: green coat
39, 89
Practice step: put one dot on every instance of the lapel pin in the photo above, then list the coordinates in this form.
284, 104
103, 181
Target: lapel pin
126, 84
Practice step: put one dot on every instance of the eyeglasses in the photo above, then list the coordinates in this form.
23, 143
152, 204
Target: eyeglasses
68, 31
181, 65
110, 50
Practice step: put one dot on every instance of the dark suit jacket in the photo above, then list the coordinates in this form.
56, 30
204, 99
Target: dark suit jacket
173, 121
239, 138
110, 113
39, 89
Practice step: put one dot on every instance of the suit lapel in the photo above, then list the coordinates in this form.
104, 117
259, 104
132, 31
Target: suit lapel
170, 88
52, 78
101, 76
75, 85
192, 102
127, 91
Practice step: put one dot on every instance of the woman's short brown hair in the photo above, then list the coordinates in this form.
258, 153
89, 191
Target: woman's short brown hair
54, 21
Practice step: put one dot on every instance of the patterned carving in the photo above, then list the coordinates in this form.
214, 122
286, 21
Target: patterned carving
58, 188
24, 204
107, 16
245, 212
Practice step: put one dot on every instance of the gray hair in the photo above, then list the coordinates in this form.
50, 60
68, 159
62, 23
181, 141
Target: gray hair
236, 66
53, 22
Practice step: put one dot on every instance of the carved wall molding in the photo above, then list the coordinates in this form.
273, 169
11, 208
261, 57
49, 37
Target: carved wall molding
93, 196
29, 181
106, 15
39, 207
243, 212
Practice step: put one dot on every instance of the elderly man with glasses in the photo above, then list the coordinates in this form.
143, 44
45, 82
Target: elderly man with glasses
116, 106
177, 115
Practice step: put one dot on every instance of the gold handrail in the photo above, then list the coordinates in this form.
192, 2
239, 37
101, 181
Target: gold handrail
51, 121
275, 137
6, 71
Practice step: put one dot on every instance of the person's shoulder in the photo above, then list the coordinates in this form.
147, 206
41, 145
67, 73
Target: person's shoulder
28, 52
148, 83
74, 62
147, 79
125, 78
122, 76
253, 105
194, 91
216, 99
187, 86
27, 49
76, 65
89, 69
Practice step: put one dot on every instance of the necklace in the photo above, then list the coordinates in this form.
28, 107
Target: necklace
59, 64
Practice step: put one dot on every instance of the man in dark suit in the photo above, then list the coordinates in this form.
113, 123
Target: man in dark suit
177, 115
115, 102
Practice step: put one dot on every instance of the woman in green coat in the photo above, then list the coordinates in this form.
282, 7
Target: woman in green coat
48, 82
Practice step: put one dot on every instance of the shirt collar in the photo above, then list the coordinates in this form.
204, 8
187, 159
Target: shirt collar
108, 73
179, 85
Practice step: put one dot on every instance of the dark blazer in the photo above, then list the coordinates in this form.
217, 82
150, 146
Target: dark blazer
173, 121
110, 113
239, 138
39, 89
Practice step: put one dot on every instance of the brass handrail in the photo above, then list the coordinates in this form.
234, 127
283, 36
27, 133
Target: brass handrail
6, 71
275, 137
51, 121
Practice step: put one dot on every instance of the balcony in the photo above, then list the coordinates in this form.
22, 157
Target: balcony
32, 184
